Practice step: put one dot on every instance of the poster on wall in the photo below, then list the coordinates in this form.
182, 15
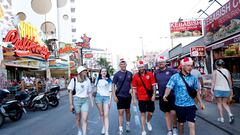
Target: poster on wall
197, 51
191, 28
223, 23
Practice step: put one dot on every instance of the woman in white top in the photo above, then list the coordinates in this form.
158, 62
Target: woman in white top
104, 98
79, 99
222, 89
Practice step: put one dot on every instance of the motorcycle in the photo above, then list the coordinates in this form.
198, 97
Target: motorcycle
32, 100
52, 96
12, 109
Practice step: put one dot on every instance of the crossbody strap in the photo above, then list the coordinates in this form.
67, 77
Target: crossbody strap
74, 88
224, 77
142, 82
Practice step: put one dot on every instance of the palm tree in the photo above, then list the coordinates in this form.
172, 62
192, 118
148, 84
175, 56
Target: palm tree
102, 62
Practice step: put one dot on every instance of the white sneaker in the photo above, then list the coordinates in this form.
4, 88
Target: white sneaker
149, 126
170, 133
106, 133
120, 131
144, 133
221, 120
79, 132
103, 131
128, 127
175, 131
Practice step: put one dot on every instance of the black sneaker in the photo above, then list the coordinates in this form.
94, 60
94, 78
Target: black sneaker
231, 119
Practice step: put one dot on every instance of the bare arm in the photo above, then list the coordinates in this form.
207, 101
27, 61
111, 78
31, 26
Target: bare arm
167, 93
213, 80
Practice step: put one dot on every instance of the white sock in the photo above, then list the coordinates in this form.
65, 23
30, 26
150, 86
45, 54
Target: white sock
121, 128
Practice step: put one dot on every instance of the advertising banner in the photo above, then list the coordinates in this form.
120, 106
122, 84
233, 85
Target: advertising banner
223, 23
197, 51
191, 28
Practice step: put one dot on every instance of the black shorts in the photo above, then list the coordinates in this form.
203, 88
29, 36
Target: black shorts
146, 106
186, 114
124, 103
167, 106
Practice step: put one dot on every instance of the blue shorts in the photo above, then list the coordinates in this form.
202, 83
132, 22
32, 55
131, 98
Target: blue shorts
80, 104
102, 99
186, 114
221, 94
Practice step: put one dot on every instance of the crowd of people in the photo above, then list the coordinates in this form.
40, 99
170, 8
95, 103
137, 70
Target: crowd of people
179, 95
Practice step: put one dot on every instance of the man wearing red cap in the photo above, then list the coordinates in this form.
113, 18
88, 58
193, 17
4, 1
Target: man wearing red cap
185, 87
162, 76
122, 95
143, 85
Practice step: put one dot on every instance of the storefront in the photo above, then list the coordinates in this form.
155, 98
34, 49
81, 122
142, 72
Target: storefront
175, 56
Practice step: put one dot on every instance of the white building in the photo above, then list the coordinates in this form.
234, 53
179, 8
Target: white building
97, 54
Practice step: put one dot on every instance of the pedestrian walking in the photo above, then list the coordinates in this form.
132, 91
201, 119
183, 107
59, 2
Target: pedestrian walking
222, 89
185, 87
79, 89
121, 88
104, 98
162, 76
196, 73
144, 85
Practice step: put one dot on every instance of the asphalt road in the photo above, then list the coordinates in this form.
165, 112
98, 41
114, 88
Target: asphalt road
59, 121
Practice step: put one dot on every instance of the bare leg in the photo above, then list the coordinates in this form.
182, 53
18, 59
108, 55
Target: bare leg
220, 108
120, 117
84, 122
149, 116
168, 120
106, 118
226, 106
181, 128
191, 126
143, 119
100, 109
78, 120
128, 115
174, 117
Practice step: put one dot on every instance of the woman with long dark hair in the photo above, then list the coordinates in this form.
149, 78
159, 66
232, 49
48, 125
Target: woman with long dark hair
104, 98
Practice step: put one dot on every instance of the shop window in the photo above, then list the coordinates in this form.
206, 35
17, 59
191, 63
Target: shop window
74, 30
72, 10
73, 20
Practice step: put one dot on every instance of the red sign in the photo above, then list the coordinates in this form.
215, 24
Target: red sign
186, 29
223, 23
67, 49
88, 55
25, 46
197, 51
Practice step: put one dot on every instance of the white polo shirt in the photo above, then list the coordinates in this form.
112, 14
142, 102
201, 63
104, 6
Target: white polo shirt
82, 89
104, 87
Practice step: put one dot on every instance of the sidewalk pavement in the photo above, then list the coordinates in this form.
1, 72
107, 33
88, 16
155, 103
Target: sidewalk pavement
210, 114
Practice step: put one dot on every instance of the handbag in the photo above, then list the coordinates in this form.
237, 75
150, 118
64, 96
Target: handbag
149, 92
94, 94
119, 88
191, 91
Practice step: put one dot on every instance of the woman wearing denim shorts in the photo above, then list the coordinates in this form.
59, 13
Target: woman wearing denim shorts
103, 98
79, 99
222, 89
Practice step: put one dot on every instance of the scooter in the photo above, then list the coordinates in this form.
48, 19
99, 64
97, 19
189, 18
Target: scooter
12, 109
32, 100
52, 96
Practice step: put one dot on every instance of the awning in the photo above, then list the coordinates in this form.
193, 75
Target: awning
233, 39
22, 66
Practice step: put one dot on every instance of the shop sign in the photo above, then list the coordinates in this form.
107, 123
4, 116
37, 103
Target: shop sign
223, 23
234, 40
67, 49
88, 55
28, 30
86, 42
197, 51
191, 28
25, 46
1, 12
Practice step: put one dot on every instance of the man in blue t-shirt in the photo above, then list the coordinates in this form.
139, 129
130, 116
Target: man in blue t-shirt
162, 76
184, 103
122, 95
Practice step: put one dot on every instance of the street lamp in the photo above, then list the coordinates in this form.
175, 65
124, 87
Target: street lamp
216, 1
142, 48
202, 12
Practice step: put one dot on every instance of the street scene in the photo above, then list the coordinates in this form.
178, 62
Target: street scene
90, 67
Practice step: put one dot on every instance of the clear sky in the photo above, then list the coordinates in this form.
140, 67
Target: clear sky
118, 24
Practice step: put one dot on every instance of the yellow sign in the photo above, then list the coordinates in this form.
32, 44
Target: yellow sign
26, 29
1, 12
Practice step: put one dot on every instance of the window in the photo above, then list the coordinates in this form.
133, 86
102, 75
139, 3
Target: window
72, 0
72, 10
74, 30
74, 40
73, 20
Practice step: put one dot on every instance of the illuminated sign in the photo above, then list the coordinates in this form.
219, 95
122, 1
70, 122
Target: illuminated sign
28, 30
26, 46
67, 49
